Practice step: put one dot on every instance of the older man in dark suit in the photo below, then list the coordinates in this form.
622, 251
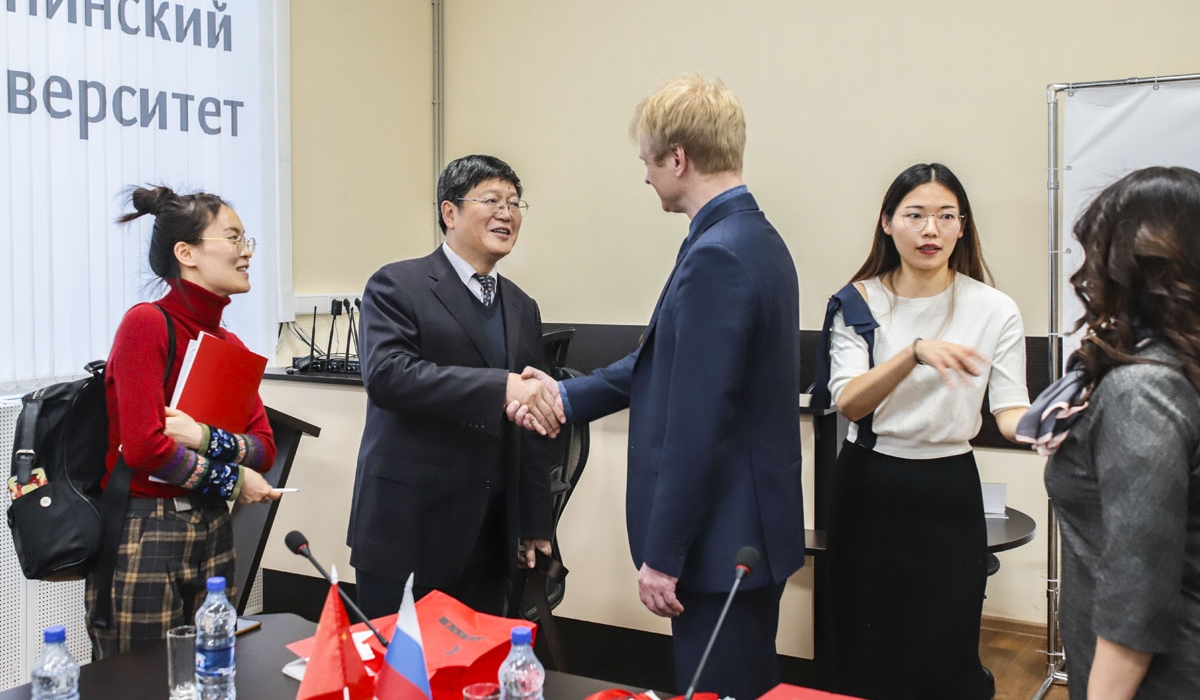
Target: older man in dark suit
712, 392
445, 487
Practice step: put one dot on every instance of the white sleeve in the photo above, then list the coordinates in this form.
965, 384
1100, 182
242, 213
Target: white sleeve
848, 357
1006, 385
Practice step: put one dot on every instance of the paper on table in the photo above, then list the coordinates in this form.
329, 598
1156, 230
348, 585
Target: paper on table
296, 667
994, 500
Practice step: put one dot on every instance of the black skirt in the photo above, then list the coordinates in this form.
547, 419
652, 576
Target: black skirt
908, 563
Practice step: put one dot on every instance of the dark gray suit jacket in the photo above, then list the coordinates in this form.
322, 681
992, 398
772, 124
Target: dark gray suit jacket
435, 425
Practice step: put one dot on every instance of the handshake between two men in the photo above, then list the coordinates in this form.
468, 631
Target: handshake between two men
532, 401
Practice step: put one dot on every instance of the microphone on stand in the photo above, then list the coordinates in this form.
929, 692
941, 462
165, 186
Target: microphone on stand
298, 543
747, 560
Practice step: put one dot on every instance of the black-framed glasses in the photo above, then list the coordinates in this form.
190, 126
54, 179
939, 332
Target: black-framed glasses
514, 207
239, 241
948, 222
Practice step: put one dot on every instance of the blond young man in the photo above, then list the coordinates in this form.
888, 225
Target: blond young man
714, 435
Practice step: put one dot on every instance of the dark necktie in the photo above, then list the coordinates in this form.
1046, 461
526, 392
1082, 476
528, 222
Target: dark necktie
489, 287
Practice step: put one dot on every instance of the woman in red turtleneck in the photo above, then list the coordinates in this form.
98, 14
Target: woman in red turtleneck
177, 530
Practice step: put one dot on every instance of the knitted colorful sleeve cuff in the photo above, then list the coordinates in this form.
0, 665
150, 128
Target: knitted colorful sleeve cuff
205, 436
224, 446
202, 475
222, 479
237, 488
186, 470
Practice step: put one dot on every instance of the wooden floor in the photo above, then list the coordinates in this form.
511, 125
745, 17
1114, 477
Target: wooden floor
1018, 663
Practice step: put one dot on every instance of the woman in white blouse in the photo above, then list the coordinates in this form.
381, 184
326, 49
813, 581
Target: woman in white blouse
915, 341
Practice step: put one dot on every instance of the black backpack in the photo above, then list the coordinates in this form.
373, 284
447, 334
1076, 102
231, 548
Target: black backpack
60, 528
56, 528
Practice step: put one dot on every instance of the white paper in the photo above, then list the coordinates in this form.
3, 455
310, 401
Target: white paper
994, 500
360, 641
188, 358
295, 669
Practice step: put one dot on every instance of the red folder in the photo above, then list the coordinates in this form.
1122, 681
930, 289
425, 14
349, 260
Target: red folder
218, 384
783, 691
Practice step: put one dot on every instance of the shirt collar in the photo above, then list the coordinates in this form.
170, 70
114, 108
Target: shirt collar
714, 203
466, 273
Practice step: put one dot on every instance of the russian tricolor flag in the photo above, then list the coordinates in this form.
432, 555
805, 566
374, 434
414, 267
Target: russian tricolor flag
403, 675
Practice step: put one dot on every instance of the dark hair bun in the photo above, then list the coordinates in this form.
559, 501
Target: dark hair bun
152, 201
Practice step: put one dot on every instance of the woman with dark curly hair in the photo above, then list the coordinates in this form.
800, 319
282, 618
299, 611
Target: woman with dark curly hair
1125, 480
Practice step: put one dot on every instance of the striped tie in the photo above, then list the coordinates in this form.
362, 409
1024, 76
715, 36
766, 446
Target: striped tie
489, 287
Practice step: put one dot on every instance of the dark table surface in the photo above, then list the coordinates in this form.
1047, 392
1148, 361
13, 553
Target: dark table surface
261, 654
1002, 533
1011, 532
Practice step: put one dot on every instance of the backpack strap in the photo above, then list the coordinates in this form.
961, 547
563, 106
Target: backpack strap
857, 315
24, 452
548, 570
113, 504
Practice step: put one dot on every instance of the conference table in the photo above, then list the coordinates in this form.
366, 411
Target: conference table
261, 654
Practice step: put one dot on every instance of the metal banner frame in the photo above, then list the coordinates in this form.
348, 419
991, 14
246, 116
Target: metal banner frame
1056, 660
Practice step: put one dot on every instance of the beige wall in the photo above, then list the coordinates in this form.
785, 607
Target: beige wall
839, 98
361, 148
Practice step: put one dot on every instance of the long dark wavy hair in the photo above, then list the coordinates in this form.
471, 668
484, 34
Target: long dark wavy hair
884, 259
1141, 271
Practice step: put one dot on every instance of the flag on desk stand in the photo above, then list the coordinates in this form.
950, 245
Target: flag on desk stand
335, 670
404, 675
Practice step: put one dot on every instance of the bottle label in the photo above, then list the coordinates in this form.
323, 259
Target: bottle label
215, 662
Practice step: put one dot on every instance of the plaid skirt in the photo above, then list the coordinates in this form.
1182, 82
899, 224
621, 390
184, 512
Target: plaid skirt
163, 563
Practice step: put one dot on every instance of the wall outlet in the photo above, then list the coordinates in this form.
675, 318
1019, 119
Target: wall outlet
304, 303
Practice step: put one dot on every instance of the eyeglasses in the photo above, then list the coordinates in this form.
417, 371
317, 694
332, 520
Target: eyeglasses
948, 222
240, 241
515, 208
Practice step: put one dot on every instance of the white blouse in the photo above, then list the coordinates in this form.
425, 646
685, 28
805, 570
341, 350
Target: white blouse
923, 418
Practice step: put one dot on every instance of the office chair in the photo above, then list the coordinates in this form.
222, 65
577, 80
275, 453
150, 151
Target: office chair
568, 456
555, 344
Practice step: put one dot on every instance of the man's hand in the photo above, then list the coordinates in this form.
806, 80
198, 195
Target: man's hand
527, 556
180, 427
657, 591
545, 418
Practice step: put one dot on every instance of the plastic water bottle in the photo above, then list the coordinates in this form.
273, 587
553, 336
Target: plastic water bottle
521, 674
216, 621
55, 675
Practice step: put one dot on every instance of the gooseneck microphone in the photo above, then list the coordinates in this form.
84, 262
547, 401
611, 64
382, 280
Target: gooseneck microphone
298, 543
747, 560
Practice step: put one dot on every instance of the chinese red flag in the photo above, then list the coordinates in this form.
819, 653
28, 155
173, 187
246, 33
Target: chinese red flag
334, 665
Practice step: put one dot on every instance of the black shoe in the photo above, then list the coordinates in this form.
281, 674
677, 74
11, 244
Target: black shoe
989, 681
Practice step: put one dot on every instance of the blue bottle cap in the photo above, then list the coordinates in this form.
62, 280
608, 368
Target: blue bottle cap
55, 634
522, 635
216, 584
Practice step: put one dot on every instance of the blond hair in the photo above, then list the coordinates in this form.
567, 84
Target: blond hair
701, 116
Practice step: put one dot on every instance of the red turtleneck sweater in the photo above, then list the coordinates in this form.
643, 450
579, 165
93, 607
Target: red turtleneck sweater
135, 392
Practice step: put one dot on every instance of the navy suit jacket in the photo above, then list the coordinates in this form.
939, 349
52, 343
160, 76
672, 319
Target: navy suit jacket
435, 425
714, 422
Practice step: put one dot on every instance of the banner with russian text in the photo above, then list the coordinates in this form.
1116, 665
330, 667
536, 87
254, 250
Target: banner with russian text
104, 94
